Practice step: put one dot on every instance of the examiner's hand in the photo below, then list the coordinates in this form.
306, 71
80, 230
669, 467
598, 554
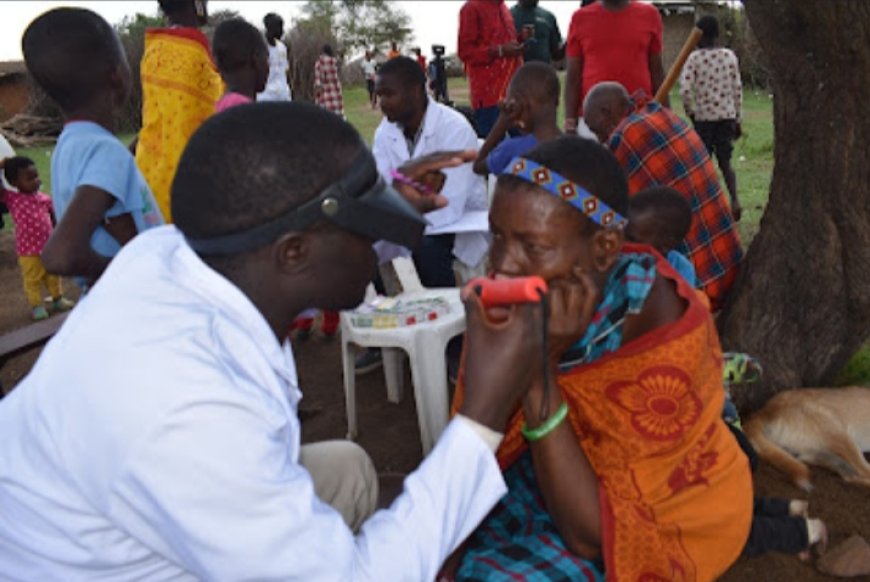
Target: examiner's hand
502, 360
426, 170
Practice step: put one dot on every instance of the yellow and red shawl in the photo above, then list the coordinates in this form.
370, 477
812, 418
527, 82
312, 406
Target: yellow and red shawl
675, 488
180, 86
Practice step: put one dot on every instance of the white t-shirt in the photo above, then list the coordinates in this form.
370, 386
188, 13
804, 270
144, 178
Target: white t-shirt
157, 438
277, 88
369, 69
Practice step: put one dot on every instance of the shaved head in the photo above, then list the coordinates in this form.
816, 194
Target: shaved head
605, 106
538, 81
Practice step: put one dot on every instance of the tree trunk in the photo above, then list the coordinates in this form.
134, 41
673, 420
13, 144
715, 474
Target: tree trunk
802, 304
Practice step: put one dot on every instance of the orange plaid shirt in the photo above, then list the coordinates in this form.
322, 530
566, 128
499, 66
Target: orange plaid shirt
657, 148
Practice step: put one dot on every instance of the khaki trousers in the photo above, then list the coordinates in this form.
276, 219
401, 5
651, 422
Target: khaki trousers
344, 477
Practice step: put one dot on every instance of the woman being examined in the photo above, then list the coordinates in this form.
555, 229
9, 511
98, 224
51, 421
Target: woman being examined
180, 86
618, 465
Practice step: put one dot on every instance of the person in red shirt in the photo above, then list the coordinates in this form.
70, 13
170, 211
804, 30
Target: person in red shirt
612, 40
489, 48
421, 60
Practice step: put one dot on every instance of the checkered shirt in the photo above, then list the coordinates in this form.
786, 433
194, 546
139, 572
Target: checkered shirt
657, 148
327, 86
519, 542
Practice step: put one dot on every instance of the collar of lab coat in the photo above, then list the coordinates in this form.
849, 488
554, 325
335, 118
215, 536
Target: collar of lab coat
233, 304
430, 126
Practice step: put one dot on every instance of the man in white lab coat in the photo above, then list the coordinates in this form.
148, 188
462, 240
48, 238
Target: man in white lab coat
414, 125
157, 437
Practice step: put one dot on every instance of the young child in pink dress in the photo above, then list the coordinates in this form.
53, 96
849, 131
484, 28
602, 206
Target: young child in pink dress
33, 215
243, 61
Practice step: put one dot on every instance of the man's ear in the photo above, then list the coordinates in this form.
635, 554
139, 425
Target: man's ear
292, 252
606, 246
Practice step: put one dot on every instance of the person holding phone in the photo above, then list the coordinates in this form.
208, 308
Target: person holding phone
542, 39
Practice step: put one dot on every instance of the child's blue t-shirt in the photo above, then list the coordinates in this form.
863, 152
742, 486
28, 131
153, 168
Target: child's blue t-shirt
683, 266
89, 155
499, 158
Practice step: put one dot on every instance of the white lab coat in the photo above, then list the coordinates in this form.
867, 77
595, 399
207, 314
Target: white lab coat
157, 438
466, 214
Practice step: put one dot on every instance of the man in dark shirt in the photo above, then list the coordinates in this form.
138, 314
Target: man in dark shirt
538, 27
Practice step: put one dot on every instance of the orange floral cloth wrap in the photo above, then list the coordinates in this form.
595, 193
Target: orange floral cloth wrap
675, 488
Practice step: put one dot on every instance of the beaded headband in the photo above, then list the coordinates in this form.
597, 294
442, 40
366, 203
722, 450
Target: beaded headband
574, 194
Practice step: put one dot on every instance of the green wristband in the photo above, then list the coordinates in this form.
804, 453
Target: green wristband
546, 427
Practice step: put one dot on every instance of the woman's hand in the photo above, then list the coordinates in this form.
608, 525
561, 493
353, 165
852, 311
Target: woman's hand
426, 170
502, 361
572, 306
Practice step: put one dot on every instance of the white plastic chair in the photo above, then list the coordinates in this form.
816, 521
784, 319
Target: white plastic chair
425, 343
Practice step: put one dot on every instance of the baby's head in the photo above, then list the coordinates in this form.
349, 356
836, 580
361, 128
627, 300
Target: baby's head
241, 54
555, 211
77, 59
659, 217
21, 173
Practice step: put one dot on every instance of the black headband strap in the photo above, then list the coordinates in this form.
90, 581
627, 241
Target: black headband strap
361, 179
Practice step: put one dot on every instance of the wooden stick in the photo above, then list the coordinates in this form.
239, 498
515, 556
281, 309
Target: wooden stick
677, 67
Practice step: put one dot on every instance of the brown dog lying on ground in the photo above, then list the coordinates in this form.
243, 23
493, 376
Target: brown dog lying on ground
821, 426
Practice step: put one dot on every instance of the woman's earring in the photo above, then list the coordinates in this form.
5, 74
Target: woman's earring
199, 7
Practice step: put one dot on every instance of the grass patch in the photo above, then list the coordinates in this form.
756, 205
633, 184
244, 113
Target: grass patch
857, 370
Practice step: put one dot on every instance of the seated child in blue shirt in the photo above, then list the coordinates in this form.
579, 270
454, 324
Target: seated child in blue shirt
661, 218
100, 197
531, 107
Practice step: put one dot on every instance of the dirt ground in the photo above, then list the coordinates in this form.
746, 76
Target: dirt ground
389, 432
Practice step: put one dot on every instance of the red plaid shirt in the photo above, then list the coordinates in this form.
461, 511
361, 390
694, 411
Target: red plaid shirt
484, 24
327, 86
657, 148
